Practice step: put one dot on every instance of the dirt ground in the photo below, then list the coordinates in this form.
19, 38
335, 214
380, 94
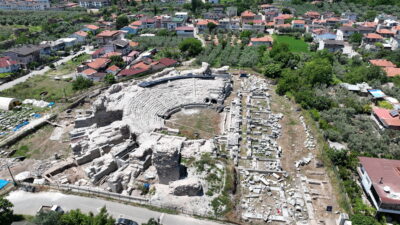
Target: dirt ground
196, 123
292, 143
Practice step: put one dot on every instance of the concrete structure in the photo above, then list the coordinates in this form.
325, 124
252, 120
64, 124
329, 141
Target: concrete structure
380, 178
35, 5
94, 3
8, 103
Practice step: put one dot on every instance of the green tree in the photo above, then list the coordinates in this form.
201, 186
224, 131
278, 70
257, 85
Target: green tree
356, 38
122, 21
318, 71
47, 218
211, 26
117, 60
76, 217
360, 219
152, 221
191, 47
81, 83
272, 70
109, 79
6, 212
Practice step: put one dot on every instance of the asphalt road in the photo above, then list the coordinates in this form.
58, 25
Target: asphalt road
28, 203
39, 72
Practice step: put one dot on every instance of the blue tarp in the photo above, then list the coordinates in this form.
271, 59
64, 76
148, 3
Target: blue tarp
19, 126
3, 183
376, 93
51, 104
37, 115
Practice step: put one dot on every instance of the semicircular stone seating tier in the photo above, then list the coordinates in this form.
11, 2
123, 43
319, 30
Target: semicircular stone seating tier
147, 104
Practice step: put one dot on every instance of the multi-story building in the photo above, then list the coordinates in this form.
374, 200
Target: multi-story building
35, 5
94, 3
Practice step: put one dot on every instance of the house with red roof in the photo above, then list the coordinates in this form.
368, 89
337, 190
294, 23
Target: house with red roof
380, 179
247, 16
7, 65
113, 70
386, 118
266, 40
332, 21
185, 31
91, 28
131, 72
386, 33
392, 71
107, 36
80, 36
168, 62
298, 24
372, 38
382, 63
202, 24
312, 15
99, 63
281, 19
268, 8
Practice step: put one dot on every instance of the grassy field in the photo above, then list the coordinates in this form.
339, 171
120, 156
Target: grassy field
56, 89
295, 45
68, 67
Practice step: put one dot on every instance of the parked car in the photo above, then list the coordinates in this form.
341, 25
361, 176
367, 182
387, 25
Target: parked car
123, 221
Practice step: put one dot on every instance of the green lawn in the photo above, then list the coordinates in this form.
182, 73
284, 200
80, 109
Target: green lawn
295, 45
56, 89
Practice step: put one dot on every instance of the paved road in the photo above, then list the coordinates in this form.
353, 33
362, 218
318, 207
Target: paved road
40, 72
28, 203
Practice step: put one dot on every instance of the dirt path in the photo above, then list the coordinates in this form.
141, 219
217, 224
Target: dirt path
292, 143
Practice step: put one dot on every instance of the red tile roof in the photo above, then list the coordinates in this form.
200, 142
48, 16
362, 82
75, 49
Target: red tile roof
385, 117
266, 6
131, 72
382, 63
113, 68
298, 22
89, 71
312, 14
369, 24
373, 36
133, 43
110, 54
99, 63
385, 31
392, 71
141, 65
205, 22
81, 33
99, 51
383, 173
92, 27
185, 28
284, 17
136, 23
247, 13
266, 38
108, 33
168, 61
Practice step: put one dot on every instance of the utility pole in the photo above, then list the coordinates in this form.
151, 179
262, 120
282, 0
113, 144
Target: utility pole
8, 167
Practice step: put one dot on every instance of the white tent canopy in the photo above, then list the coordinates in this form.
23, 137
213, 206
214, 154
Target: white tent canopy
8, 103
